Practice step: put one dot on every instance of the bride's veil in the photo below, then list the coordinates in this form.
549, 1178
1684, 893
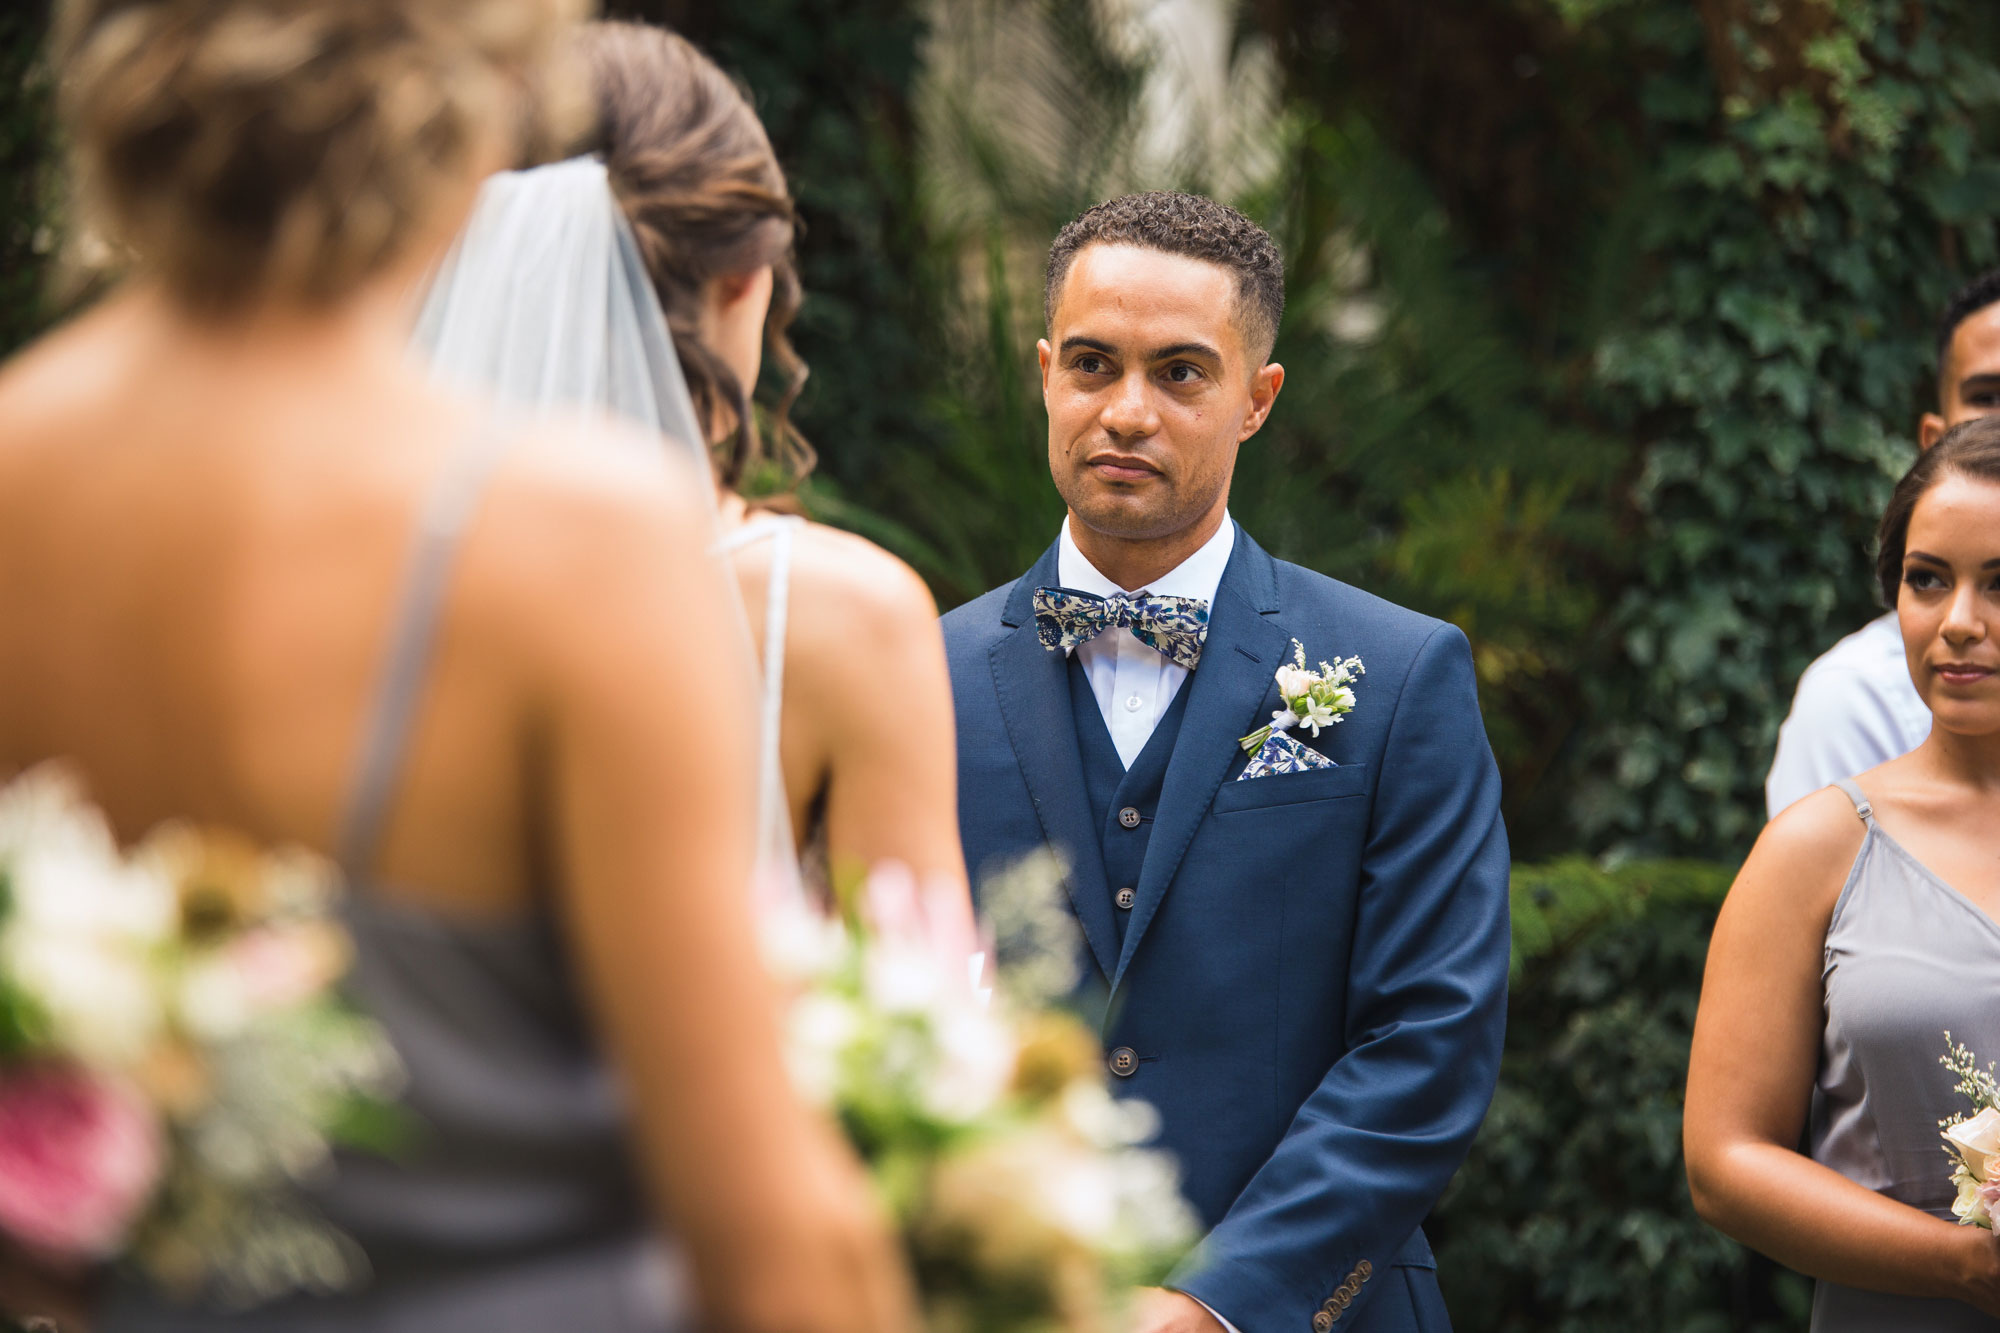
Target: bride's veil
544, 302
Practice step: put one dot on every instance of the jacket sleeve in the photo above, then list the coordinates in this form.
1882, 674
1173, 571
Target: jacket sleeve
1373, 1147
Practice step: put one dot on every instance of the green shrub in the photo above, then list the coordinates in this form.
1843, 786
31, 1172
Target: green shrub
1572, 1213
27, 154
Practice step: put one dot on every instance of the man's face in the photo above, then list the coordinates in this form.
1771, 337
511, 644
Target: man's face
1150, 388
1970, 381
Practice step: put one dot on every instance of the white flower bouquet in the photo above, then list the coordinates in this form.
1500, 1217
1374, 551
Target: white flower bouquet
172, 1053
1023, 1198
1973, 1141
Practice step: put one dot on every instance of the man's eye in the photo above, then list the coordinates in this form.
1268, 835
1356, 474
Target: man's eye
1182, 373
1090, 365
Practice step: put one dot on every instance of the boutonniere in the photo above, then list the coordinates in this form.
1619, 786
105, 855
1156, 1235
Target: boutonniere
1314, 700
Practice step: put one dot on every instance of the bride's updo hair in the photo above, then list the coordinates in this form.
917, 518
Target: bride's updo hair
695, 174
290, 149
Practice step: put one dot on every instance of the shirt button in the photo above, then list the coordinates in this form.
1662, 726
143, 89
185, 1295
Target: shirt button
1134, 704
1126, 898
1129, 817
1123, 1061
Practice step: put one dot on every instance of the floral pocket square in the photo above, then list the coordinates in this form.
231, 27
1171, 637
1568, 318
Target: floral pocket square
1281, 754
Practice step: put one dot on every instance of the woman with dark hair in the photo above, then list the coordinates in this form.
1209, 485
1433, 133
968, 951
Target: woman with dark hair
1864, 926
858, 704
259, 573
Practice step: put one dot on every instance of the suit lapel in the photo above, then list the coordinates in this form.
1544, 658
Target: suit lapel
1033, 687
1230, 696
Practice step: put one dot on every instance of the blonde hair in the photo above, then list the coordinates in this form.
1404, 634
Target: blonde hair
289, 149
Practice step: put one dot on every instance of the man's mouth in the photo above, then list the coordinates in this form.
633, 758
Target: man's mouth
1121, 467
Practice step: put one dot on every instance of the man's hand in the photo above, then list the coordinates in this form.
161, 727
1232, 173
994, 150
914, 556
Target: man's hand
1162, 1311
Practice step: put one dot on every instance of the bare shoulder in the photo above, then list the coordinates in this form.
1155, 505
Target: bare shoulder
61, 376
845, 586
592, 487
582, 520
1802, 857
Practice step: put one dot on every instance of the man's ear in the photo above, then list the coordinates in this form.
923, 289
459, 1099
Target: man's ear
1930, 430
1044, 354
1264, 387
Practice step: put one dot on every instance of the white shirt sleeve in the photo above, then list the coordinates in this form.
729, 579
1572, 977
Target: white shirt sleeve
1847, 717
1212, 1310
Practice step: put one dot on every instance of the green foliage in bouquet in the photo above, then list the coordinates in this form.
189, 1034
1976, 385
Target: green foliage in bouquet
22, 1023
1575, 1196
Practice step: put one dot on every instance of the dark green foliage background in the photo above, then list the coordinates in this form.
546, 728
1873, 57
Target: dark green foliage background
1655, 283
1572, 1213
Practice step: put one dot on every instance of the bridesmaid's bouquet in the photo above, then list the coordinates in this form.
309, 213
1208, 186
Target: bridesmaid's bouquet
1024, 1199
1973, 1141
172, 1053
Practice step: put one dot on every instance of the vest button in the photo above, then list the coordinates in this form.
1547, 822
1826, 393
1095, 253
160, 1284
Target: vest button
1126, 898
1123, 1061
1129, 817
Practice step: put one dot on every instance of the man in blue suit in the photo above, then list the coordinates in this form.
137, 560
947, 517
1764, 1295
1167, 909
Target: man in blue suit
1301, 955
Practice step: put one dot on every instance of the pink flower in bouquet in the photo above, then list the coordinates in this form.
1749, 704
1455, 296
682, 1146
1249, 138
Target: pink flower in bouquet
930, 918
79, 1156
283, 968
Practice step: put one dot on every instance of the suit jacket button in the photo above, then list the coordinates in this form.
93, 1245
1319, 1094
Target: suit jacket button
1123, 1061
1129, 817
1322, 1322
1364, 1268
1126, 898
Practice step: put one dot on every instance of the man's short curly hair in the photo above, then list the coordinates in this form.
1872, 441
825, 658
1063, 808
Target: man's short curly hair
1183, 224
1966, 302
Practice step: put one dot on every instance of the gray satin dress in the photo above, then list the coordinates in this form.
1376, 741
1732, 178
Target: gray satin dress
517, 1206
1907, 958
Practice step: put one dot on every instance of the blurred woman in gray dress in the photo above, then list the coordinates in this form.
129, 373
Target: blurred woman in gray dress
259, 571
1865, 924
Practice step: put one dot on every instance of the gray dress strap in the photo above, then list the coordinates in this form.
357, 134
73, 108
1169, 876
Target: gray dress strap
1854, 794
448, 509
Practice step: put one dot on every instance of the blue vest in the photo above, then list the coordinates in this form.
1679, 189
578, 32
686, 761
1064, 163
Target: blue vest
1113, 788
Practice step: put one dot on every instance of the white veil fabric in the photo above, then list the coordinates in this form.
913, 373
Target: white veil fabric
544, 302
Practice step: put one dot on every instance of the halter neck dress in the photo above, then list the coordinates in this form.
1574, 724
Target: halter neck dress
1907, 958
516, 1208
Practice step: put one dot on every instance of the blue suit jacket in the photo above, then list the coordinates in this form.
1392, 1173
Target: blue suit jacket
1314, 973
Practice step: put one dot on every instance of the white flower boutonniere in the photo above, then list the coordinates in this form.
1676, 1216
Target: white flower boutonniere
1313, 699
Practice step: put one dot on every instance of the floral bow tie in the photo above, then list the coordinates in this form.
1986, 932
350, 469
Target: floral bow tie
1177, 626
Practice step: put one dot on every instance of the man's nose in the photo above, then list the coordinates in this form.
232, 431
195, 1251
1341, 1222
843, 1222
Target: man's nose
1128, 409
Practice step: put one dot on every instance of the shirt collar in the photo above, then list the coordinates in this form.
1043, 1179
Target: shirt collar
1197, 576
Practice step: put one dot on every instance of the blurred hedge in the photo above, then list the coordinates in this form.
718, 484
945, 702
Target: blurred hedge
27, 152
1572, 1213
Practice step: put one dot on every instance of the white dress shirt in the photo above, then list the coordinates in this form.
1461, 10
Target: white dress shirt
1134, 682
1856, 707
